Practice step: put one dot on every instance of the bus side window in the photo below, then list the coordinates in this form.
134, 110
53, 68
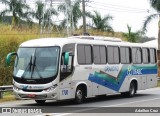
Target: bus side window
153, 58
136, 55
99, 53
113, 55
84, 54
145, 55
125, 55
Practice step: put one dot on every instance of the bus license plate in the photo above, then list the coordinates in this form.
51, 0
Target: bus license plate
31, 95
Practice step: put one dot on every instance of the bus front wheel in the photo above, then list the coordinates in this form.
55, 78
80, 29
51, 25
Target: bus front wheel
40, 101
79, 95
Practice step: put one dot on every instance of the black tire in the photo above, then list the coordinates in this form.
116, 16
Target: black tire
131, 92
79, 95
40, 101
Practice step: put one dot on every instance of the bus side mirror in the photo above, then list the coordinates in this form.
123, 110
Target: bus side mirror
8, 58
66, 58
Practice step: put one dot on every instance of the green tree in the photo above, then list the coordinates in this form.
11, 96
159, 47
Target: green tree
43, 15
99, 22
72, 9
17, 8
39, 13
131, 36
156, 5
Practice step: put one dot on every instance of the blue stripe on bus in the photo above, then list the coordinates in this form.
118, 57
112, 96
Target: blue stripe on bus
122, 75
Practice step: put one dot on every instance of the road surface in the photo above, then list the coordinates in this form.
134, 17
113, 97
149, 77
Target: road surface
144, 99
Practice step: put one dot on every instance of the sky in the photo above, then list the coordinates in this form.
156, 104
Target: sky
131, 12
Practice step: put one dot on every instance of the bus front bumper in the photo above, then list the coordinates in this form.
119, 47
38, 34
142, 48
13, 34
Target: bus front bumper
52, 95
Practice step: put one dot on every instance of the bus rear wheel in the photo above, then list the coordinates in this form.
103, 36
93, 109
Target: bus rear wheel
79, 95
131, 92
40, 101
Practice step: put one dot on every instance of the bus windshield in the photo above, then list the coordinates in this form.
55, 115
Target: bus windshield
36, 63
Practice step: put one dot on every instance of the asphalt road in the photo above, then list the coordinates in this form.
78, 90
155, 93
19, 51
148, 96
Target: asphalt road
115, 105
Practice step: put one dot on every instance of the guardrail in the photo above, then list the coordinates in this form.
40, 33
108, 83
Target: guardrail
5, 89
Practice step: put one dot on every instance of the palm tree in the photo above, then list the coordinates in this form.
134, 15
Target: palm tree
156, 5
131, 36
38, 14
99, 22
16, 8
43, 15
72, 9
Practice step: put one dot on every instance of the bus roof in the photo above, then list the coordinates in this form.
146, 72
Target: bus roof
43, 42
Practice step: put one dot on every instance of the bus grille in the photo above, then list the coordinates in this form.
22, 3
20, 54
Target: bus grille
36, 96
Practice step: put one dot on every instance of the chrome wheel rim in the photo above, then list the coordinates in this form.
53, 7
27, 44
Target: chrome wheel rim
79, 94
132, 90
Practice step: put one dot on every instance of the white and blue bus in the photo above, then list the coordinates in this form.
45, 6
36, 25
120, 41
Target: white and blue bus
81, 67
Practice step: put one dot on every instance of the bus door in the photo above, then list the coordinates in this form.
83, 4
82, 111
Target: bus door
66, 71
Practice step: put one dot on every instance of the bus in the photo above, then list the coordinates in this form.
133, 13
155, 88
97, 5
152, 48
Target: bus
81, 67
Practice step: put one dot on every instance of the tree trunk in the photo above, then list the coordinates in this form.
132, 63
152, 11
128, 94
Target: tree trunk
13, 21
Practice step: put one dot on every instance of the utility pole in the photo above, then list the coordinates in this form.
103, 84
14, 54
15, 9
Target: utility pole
84, 17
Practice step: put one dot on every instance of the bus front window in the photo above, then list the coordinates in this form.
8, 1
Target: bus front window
36, 63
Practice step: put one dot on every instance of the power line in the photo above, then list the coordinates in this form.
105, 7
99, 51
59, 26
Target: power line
118, 10
116, 6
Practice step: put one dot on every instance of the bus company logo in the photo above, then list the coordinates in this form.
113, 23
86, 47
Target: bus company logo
134, 71
30, 87
111, 68
24, 87
129, 72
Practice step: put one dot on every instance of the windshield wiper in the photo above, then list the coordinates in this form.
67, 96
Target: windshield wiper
28, 68
35, 67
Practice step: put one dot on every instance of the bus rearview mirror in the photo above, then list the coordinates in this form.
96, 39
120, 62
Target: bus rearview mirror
66, 58
8, 58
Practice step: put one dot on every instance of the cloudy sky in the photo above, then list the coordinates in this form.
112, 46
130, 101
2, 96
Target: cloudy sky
131, 12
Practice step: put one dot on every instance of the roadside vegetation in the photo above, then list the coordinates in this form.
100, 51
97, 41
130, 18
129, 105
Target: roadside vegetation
7, 96
10, 39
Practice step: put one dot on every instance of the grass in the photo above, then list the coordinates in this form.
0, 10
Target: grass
7, 96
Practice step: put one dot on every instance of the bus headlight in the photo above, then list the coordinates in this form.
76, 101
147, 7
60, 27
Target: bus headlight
16, 88
51, 88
